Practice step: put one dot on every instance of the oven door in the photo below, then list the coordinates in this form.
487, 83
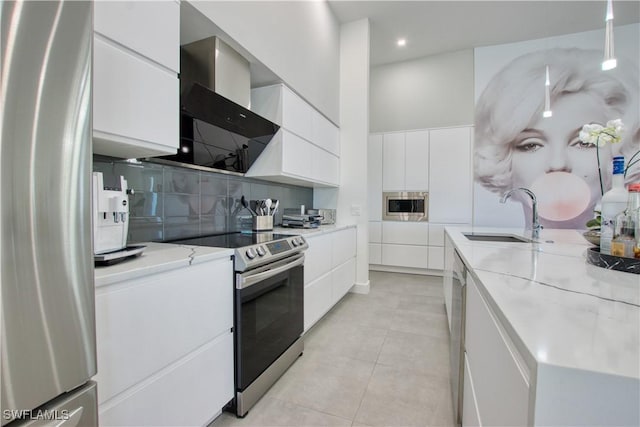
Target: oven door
268, 315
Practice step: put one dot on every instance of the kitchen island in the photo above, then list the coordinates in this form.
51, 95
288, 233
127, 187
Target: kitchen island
550, 339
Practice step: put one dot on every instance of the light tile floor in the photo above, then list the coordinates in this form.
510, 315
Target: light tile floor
380, 359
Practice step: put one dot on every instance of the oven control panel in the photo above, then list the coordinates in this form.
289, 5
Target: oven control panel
249, 257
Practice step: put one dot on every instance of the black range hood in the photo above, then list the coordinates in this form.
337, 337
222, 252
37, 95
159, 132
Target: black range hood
217, 133
204, 104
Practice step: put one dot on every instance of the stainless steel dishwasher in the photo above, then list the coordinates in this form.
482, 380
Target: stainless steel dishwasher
458, 300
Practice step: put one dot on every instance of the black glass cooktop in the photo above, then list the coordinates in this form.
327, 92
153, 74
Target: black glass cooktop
232, 240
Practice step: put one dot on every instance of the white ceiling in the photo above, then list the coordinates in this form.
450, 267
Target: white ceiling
433, 27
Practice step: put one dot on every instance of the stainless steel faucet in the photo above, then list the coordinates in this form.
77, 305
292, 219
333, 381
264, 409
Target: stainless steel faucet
535, 222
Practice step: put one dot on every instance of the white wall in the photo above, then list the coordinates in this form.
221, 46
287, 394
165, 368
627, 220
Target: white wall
298, 41
351, 200
434, 91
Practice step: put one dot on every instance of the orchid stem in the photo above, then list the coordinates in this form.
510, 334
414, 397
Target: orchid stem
599, 170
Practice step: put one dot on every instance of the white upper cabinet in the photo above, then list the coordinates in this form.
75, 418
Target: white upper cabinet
417, 161
307, 151
325, 134
149, 28
135, 81
393, 158
405, 163
450, 175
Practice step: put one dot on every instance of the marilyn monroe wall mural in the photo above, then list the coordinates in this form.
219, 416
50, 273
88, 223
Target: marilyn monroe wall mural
514, 146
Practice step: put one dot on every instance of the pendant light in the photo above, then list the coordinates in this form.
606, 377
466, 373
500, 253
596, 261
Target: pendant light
547, 95
609, 62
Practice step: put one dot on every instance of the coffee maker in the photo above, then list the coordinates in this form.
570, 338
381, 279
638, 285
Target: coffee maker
110, 214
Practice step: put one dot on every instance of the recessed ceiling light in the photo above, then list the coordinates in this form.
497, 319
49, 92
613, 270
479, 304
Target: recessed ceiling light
402, 42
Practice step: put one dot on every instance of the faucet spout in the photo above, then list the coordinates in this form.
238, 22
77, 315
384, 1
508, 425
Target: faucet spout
535, 222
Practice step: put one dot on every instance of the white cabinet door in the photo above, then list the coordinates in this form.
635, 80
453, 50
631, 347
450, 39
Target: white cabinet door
435, 257
436, 235
393, 166
317, 257
296, 155
266, 101
325, 167
417, 161
375, 232
318, 299
450, 175
135, 105
324, 133
142, 327
344, 246
343, 278
150, 28
405, 233
296, 114
188, 393
404, 255
375, 253
500, 382
374, 176
470, 414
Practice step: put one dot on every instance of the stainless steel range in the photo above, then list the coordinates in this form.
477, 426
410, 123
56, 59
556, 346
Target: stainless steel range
268, 312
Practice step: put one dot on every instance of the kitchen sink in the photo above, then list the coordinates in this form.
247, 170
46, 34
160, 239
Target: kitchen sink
508, 238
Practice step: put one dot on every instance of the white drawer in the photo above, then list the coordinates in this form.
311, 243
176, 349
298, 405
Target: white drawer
343, 278
500, 385
375, 232
135, 101
344, 246
190, 393
145, 324
151, 28
436, 235
317, 259
436, 257
318, 299
404, 256
375, 253
405, 233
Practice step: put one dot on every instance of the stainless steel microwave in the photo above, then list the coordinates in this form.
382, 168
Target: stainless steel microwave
405, 206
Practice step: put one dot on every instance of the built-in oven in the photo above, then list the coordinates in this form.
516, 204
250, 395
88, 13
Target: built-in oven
269, 322
405, 206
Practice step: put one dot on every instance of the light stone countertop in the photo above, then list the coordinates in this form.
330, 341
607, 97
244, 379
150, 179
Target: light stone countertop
310, 232
558, 309
156, 258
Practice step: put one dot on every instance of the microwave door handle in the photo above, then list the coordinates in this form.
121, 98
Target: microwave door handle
247, 280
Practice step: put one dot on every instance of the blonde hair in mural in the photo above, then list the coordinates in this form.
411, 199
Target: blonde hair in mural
514, 100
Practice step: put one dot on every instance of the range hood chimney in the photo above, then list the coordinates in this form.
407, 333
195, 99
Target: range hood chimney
217, 129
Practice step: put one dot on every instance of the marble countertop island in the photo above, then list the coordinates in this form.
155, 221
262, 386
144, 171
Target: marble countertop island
571, 321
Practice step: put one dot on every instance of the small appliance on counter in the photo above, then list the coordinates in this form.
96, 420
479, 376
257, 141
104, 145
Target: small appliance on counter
327, 216
111, 220
294, 219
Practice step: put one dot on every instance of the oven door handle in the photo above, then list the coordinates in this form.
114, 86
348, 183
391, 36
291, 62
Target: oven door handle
248, 279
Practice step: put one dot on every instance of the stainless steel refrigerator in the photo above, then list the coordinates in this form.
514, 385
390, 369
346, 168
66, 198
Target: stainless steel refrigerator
46, 269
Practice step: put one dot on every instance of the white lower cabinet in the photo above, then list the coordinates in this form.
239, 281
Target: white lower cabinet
164, 343
470, 415
375, 253
329, 272
190, 392
499, 376
318, 299
343, 278
404, 255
